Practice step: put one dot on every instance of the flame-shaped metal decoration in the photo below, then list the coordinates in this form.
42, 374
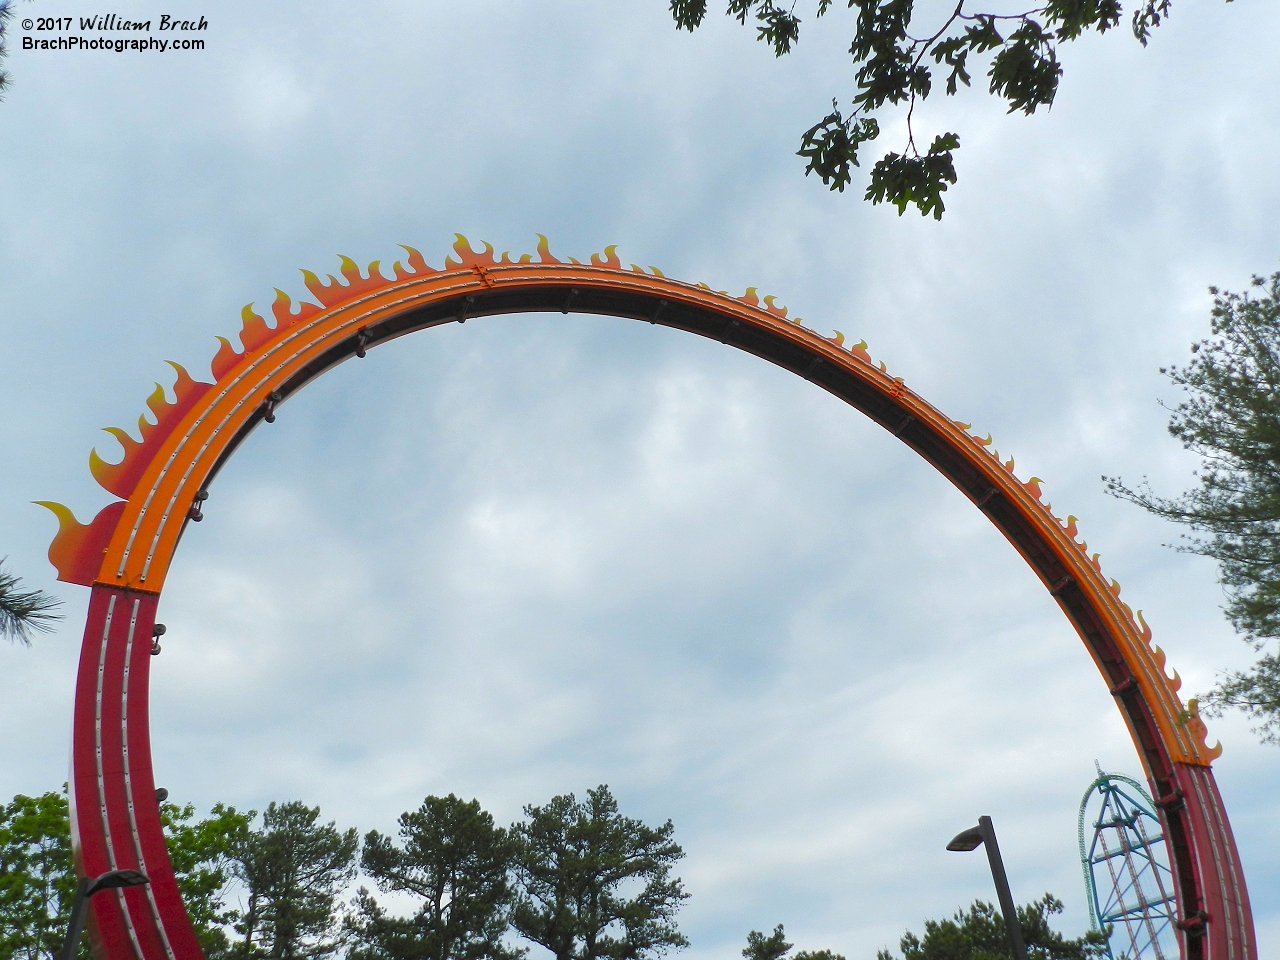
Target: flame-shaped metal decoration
162, 479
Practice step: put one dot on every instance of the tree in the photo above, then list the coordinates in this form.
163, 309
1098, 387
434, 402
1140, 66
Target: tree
457, 862
37, 882
772, 947
775, 947
893, 68
23, 611
6, 15
200, 853
576, 863
293, 870
1231, 418
979, 933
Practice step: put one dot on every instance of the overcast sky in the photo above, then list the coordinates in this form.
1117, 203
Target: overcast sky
529, 555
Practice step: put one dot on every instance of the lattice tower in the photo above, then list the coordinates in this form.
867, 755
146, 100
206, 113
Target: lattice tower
1126, 870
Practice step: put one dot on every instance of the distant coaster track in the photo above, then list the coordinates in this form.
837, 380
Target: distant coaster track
125, 552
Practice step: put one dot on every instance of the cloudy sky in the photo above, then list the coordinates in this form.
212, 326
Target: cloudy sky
538, 553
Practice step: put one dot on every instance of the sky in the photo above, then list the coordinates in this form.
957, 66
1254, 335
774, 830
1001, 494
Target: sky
532, 554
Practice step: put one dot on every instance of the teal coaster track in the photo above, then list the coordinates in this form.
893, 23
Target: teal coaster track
1126, 870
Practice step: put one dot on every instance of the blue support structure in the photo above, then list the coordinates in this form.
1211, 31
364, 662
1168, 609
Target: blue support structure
1126, 870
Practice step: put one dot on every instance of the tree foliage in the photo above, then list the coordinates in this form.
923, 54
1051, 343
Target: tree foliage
23, 612
293, 869
892, 59
37, 882
979, 933
457, 863
772, 947
6, 16
593, 883
1231, 418
775, 947
578, 878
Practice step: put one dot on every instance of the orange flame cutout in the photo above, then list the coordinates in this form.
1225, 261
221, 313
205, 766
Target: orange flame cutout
610, 259
1032, 487
1008, 464
777, 311
1115, 587
1197, 729
1071, 529
254, 331
839, 338
1174, 682
417, 266
750, 298
282, 309
120, 478
657, 272
544, 251
1144, 629
859, 350
76, 551
335, 292
224, 359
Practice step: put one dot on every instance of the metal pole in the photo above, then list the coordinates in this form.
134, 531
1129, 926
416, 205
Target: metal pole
1002, 889
78, 907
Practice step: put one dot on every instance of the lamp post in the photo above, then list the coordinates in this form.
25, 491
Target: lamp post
85, 889
971, 839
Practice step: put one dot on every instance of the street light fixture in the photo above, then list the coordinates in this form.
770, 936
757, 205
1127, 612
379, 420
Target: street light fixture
86, 888
971, 839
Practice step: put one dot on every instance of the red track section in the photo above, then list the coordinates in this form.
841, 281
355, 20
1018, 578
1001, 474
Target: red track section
115, 816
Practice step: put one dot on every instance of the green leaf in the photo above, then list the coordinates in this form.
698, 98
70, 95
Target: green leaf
831, 146
1148, 16
1026, 71
688, 14
780, 28
921, 181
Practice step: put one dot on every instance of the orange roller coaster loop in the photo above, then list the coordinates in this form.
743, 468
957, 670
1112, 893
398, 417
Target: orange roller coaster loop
124, 553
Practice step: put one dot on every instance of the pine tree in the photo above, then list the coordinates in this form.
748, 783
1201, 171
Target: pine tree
572, 863
979, 933
23, 612
457, 863
1231, 417
293, 869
